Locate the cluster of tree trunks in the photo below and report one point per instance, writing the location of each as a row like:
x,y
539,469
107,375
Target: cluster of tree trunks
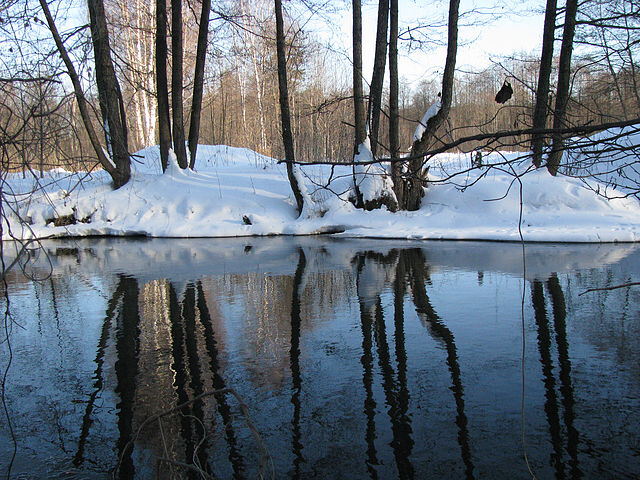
x,y
409,174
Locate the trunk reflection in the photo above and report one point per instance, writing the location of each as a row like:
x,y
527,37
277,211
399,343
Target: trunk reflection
x,y
359,362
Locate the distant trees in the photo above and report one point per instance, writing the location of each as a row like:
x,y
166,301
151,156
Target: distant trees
x,y
229,88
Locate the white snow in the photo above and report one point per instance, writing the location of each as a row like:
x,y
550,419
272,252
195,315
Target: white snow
x,y
230,183
372,180
422,126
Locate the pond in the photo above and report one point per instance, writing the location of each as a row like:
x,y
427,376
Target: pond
x,y
319,357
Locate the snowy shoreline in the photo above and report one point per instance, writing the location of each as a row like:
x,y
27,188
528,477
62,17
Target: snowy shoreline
x,y
235,192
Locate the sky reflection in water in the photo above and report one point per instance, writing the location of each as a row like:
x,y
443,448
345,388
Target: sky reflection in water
x,y
332,359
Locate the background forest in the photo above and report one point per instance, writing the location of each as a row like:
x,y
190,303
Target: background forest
x,y
41,126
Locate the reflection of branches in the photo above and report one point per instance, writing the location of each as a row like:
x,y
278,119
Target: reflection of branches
x,y
265,458
624,285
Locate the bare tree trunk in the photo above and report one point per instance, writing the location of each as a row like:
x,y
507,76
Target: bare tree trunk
x,y
119,172
394,113
417,176
377,79
111,105
198,81
177,59
360,120
564,84
544,75
162,84
285,115
358,93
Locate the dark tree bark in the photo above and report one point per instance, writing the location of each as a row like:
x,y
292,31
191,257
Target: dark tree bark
x,y
120,168
198,81
162,84
111,104
564,84
377,79
285,115
360,120
359,111
394,112
414,187
542,93
176,83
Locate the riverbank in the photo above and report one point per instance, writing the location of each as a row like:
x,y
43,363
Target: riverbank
x,y
237,192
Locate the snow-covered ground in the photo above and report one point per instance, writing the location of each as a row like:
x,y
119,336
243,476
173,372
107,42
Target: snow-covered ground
x,y
233,187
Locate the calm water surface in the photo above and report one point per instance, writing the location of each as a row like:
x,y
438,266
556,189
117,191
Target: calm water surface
x,y
321,358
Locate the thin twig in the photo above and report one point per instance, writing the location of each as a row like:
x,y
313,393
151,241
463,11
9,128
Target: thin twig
x,y
624,285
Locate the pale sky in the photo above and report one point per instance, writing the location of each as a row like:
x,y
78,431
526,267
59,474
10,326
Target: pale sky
x,y
517,30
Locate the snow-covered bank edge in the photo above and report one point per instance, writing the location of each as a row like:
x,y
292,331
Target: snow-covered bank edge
x,y
238,193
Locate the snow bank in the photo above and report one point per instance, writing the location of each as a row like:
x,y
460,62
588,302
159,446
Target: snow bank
x,y
232,185
610,158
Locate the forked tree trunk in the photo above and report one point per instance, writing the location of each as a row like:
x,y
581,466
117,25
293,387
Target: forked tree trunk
x,y
542,93
198,81
111,104
359,110
377,79
564,84
285,115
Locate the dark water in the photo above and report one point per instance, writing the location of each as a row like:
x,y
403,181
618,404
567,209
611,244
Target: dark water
x,y
322,358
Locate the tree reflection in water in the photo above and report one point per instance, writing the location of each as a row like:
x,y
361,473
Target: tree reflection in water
x,y
545,345
353,375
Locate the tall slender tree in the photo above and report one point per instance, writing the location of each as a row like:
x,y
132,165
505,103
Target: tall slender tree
x,y
198,81
358,92
162,84
177,63
285,114
541,108
394,111
377,78
414,187
359,110
564,85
